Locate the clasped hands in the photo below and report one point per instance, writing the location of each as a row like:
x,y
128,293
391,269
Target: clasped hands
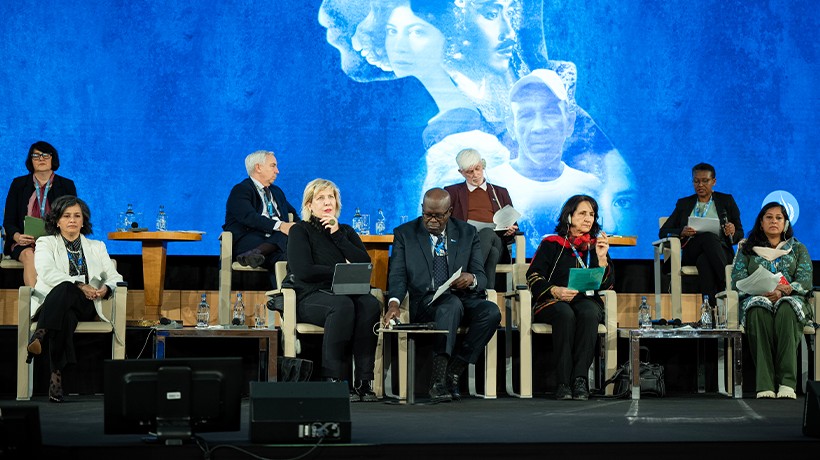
x,y
93,294
779,291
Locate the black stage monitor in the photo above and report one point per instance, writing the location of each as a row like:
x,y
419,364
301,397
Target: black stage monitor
x,y
172,398
20,431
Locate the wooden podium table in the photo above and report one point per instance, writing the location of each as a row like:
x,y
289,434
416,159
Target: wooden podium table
x,y
621,240
378,247
154,250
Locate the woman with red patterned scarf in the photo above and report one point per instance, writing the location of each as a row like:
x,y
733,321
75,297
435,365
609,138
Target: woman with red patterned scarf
x,y
574,315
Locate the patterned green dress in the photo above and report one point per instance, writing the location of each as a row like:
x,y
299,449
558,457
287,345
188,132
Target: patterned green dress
x,y
795,266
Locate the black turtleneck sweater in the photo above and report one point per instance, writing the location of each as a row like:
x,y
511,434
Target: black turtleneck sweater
x,y
313,253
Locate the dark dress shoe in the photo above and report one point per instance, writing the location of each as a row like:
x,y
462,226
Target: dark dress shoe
x,y
252,258
35,345
452,386
364,390
439,394
563,392
580,392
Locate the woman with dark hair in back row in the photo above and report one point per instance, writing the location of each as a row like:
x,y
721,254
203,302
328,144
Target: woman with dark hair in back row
x,y
32,195
74,275
574,315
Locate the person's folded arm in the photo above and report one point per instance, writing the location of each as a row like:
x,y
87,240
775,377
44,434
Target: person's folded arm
x,y
300,258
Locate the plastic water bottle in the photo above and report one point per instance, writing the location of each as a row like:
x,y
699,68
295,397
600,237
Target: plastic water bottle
x,y
644,316
381,223
162,220
357,221
238,311
706,314
203,313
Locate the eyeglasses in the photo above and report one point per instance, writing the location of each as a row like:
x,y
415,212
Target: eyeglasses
x,y
435,216
43,156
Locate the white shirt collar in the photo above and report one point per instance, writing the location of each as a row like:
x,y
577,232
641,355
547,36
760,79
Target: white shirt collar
x,y
472,187
258,184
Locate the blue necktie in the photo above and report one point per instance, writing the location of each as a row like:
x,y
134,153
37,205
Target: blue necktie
x,y
269,203
440,272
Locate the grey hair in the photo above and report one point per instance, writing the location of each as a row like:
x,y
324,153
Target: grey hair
x,y
469,158
256,158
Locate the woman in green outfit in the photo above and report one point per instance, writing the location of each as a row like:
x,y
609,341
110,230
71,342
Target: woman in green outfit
x,y
774,320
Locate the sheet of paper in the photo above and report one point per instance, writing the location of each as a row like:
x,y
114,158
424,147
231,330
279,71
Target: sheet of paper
x,y
585,279
505,217
759,282
34,226
445,287
95,282
705,224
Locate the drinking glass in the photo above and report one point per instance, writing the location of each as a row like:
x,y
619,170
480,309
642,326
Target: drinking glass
x,y
260,316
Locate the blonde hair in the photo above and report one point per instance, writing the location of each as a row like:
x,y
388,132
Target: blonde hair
x,y
317,185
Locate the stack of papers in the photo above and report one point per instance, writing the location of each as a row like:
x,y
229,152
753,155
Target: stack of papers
x,y
759,282
705,224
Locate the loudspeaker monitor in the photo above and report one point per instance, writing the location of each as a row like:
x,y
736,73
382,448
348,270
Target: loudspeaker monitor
x,y
811,411
299,412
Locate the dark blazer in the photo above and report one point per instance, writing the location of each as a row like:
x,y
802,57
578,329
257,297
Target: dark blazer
x,y
411,262
460,192
723,202
19,193
243,214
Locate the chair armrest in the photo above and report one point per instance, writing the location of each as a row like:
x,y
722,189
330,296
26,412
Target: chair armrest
x,y
281,270
404,309
610,309
24,307
662,241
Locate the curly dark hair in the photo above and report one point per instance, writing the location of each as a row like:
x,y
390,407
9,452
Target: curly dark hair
x,y
562,227
757,237
58,208
43,147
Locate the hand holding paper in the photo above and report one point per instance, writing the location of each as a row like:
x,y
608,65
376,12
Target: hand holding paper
x,y
505,217
445,287
760,282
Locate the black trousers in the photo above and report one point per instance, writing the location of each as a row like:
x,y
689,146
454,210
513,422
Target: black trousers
x,y
705,251
574,332
348,323
482,317
491,250
62,309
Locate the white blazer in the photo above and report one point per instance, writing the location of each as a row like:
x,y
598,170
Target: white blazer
x,y
51,262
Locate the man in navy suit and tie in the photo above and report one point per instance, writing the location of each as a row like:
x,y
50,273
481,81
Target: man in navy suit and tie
x,y
258,215
427,252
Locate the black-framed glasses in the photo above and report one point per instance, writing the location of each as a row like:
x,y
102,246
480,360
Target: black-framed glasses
x,y
44,156
435,215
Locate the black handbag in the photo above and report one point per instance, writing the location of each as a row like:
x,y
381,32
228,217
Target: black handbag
x,y
652,382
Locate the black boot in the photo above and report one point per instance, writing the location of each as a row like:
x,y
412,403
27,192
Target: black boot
x,y
454,371
364,390
438,387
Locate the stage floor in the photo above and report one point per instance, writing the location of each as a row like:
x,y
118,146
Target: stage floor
x,y
670,427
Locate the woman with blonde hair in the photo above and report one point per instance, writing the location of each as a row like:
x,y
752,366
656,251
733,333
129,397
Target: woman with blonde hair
x,y
315,246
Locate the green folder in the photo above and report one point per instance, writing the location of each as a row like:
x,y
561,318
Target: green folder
x,y
34,226
585,279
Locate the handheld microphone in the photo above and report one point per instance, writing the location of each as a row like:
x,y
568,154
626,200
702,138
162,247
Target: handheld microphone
x,y
724,220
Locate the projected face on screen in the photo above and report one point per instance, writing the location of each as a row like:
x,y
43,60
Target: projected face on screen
x,y
414,47
541,146
488,37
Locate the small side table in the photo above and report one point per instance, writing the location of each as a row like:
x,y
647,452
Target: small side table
x,y
410,336
268,344
733,336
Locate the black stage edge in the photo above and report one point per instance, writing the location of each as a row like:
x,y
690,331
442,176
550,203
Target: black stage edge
x,y
678,427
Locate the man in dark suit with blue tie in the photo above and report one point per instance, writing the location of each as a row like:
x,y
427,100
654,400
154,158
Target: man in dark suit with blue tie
x,y
258,215
427,252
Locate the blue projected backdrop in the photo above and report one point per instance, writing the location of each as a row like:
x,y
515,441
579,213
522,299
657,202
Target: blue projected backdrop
x,y
156,103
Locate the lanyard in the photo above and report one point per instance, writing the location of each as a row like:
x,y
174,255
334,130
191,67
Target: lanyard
x,y
578,256
41,198
269,203
773,265
705,209
439,249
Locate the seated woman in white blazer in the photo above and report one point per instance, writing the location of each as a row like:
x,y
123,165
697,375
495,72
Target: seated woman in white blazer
x,y
74,274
